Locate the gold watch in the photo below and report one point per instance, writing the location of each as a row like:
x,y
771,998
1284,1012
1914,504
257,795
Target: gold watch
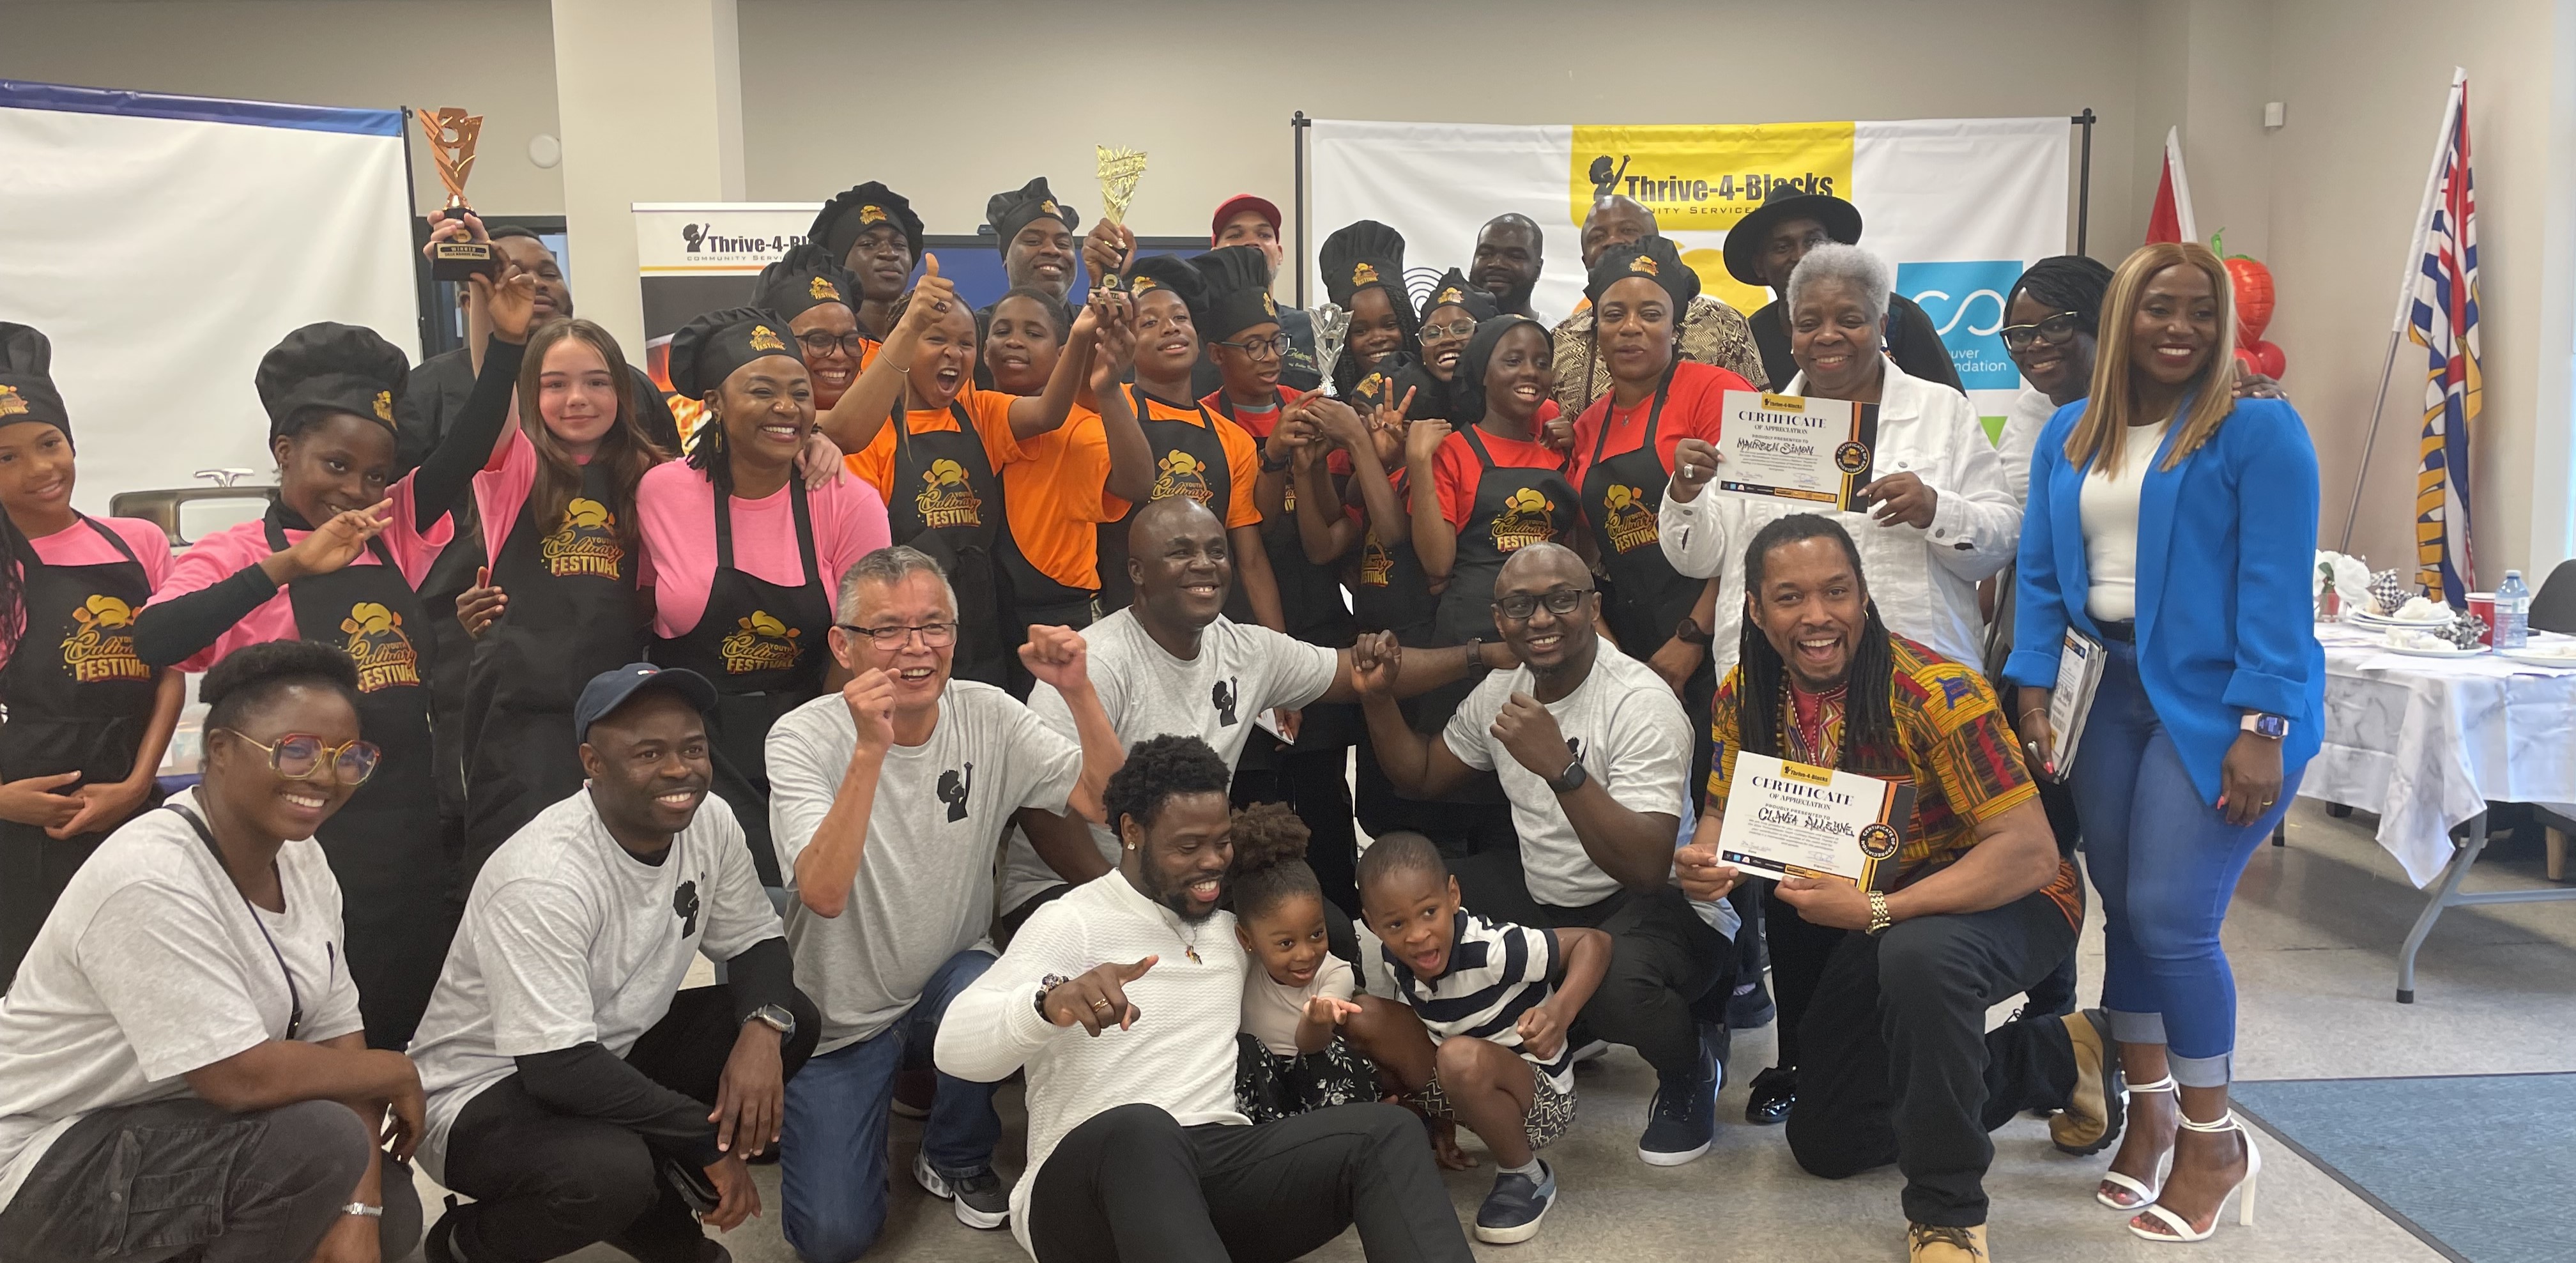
x,y
1878,918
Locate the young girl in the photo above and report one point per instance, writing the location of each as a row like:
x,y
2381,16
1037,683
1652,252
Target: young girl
x,y
1291,1056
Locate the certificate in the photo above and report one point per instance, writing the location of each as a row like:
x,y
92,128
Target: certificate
x,y
1791,820
1816,452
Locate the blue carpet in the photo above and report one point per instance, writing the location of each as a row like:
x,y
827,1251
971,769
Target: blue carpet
x,y
2479,1166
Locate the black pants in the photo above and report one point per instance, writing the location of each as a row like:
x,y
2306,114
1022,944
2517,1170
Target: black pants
x,y
2054,995
546,1184
1798,951
1134,1186
1899,1066
1316,785
1663,958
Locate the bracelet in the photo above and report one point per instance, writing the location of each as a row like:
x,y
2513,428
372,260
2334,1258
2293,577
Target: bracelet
x,y
363,1210
1879,919
1045,985
2040,711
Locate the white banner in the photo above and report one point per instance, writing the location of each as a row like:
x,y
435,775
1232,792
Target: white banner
x,y
1958,206
165,244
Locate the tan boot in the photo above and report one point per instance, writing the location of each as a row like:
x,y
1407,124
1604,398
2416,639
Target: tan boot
x,y
1927,1244
2091,1120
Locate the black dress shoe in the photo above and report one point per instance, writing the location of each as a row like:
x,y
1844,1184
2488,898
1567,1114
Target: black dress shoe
x,y
1774,1091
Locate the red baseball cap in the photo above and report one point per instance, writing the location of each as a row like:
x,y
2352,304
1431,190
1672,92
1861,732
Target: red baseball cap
x,y
1236,205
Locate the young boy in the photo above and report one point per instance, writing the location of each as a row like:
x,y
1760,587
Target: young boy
x,y
1467,1018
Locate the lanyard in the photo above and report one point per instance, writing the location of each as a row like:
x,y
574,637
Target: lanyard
x,y
294,1001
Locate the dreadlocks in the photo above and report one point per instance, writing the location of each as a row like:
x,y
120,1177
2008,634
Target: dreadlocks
x,y
1868,719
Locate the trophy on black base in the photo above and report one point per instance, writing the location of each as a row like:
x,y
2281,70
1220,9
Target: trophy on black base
x,y
452,136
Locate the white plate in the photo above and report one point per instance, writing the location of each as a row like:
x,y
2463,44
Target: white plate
x,y
2436,653
2375,620
2539,659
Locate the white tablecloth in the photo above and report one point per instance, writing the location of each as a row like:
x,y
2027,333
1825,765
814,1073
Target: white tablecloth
x,y
2428,742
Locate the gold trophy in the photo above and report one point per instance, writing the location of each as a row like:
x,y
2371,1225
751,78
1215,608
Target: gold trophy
x,y
1119,171
452,134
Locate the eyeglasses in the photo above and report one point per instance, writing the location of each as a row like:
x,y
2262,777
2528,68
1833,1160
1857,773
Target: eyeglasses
x,y
821,344
1276,344
2056,329
933,635
1559,601
1462,327
298,755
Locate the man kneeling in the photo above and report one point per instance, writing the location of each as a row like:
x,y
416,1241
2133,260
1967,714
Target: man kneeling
x,y
574,1090
1899,1067
1137,1153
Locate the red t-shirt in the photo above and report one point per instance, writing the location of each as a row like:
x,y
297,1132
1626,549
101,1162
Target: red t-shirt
x,y
1455,471
1693,409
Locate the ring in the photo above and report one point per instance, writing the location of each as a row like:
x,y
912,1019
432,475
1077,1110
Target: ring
x,y
1100,1006
2269,801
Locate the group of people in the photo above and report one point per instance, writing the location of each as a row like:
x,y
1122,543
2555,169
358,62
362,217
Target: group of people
x,y
1007,692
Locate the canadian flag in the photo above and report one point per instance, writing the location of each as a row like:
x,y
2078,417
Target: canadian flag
x,y
2170,218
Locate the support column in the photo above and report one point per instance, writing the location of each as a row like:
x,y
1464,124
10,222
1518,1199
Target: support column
x,y
649,97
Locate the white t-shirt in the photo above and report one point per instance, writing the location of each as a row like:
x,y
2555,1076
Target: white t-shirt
x,y
151,966
569,939
1272,1010
924,890
2108,509
1497,971
1629,730
1239,672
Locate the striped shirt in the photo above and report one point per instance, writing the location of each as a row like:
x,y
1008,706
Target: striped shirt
x,y
1497,971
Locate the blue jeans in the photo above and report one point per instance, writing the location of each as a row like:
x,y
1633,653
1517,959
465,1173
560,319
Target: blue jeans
x,y
2166,864
832,1159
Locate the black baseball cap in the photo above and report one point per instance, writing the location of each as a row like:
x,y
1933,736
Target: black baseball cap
x,y
609,690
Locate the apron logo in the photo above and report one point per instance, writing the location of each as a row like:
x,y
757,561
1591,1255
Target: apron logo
x,y
946,499
377,644
101,644
1377,566
1224,695
1182,475
952,791
1629,523
1525,520
586,543
759,643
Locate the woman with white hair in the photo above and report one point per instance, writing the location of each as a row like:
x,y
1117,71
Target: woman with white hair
x,y
1940,518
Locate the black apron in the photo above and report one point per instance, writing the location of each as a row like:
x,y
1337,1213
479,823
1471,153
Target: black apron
x,y
1310,596
399,893
573,614
1621,495
1516,506
1389,591
1189,460
764,646
78,700
947,502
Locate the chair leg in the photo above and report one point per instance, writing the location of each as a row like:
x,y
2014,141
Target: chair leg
x,y
2554,842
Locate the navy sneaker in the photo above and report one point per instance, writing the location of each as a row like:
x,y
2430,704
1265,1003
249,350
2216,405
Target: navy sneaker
x,y
1512,1211
1682,1122
982,1200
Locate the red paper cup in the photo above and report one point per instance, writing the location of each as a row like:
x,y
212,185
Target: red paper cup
x,y
2482,604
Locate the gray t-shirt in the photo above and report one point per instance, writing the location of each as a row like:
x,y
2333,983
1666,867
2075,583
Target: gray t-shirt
x,y
1239,672
924,890
569,939
150,967
1633,738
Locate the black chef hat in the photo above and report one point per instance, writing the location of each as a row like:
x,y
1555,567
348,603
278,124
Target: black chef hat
x,y
27,379
1467,389
1171,272
1008,213
1653,258
1238,291
803,278
708,349
1359,255
843,218
330,367
1452,290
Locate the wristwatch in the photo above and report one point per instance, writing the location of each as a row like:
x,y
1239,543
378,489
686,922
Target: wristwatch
x,y
1689,633
363,1210
775,1018
2273,727
1879,920
1269,466
1571,779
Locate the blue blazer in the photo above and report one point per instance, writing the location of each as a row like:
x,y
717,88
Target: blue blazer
x,y
2226,553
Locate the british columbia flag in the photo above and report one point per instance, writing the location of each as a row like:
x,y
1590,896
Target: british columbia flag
x,y
2445,324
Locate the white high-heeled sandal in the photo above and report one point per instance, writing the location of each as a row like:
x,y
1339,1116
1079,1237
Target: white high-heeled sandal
x,y
2144,1193
2180,1229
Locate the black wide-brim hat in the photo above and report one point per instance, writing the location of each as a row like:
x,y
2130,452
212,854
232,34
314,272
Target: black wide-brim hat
x,y
1786,201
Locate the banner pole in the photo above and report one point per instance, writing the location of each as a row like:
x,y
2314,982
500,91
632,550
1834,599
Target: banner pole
x,y
2084,179
2405,296
1297,145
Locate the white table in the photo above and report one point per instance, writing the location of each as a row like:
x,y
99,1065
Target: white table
x,y
2427,743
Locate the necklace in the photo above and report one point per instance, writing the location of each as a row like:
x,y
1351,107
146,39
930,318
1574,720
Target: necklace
x,y
1190,945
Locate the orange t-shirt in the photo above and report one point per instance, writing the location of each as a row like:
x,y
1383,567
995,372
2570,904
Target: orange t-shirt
x,y
1242,460
1693,409
1056,495
989,409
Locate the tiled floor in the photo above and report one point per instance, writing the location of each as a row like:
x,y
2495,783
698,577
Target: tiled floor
x,y
2313,936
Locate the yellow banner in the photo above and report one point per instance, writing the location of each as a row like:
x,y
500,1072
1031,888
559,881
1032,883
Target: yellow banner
x,y
1704,179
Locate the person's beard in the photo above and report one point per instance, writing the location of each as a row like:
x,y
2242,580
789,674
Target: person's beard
x,y
1177,898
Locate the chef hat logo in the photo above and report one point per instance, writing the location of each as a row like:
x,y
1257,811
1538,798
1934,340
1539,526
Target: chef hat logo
x,y
824,290
872,215
384,405
763,339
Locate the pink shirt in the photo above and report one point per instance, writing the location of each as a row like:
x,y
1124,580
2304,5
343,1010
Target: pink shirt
x,y
81,546
220,556
675,513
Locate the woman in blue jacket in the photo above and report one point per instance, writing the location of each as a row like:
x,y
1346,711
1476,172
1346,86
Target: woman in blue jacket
x,y
2176,525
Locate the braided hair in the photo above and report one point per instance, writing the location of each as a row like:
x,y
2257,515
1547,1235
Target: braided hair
x,y
1269,860
1763,680
2066,282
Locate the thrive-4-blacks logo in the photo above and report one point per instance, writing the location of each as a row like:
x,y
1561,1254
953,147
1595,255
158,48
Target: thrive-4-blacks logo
x,y
953,788
704,239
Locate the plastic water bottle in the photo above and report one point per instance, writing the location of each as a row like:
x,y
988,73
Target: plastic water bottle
x,y
2512,612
